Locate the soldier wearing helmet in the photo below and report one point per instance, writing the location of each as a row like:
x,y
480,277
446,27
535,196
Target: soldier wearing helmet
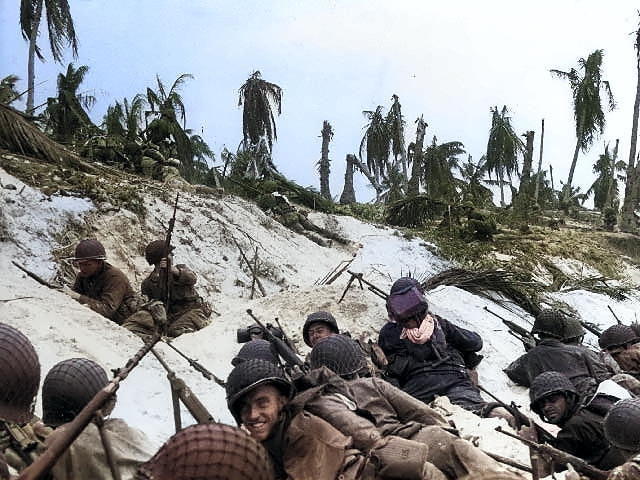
x,y
622,429
382,419
101,286
557,401
623,344
209,452
187,311
551,353
67,388
300,445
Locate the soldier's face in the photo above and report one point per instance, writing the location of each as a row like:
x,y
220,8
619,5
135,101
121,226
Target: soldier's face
x,y
260,410
88,268
554,407
318,331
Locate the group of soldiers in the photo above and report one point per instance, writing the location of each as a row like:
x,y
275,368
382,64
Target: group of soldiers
x,y
349,410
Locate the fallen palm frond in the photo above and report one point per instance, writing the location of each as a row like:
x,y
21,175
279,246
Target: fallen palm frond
x,y
598,285
414,211
500,286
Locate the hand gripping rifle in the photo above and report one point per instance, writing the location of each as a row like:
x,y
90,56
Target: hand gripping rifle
x,y
558,456
288,355
43,464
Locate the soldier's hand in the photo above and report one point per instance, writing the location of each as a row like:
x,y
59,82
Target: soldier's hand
x,y
73,294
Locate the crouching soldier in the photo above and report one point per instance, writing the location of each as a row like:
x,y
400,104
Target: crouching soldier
x,y
622,429
383,420
188,312
300,445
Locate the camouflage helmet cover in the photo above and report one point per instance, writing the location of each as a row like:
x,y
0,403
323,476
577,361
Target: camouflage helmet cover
x,y
256,348
19,375
322,317
546,384
68,387
90,249
250,374
550,323
156,251
622,424
339,353
617,335
209,452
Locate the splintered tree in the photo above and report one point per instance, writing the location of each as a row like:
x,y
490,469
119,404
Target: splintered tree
x,y
324,163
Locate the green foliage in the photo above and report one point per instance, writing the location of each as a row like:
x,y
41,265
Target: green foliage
x,y
414,211
260,99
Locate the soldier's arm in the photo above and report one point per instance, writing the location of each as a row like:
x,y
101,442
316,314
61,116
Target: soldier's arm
x,y
111,297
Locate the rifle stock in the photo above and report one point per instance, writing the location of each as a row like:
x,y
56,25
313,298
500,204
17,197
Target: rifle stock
x,y
59,444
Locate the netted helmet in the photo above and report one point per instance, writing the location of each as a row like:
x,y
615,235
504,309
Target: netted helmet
x,y
548,383
617,335
210,451
256,348
339,353
156,251
250,374
549,323
320,316
90,249
69,387
573,329
622,424
19,375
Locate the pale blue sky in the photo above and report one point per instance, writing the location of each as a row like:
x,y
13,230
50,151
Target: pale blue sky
x,y
450,61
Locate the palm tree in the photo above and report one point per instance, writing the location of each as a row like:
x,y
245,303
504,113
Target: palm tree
x,y
439,162
395,125
471,187
376,144
324,163
61,33
503,148
124,120
605,187
587,104
260,100
65,114
348,192
8,92
415,152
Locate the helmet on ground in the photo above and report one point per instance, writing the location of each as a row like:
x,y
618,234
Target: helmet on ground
x,y
256,348
549,323
250,374
69,387
622,424
19,375
209,451
546,384
573,329
90,249
617,335
320,316
339,353
156,251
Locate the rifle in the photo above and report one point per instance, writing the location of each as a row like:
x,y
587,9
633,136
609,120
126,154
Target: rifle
x,y
558,456
43,464
167,247
370,286
288,355
614,315
36,277
198,366
517,331
181,392
286,339
589,326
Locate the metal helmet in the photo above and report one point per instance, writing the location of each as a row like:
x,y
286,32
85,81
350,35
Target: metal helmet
x,y
617,335
322,317
90,249
69,387
548,383
256,348
210,451
622,424
250,374
573,329
156,251
549,323
338,353
19,375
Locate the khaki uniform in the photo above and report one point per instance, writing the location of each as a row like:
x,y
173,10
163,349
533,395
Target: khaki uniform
x,y
108,292
21,445
628,359
627,471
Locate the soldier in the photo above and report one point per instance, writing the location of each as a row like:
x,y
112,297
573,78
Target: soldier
x,y
557,401
319,325
300,445
209,452
68,387
622,429
383,420
256,349
188,312
584,369
100,285
21,434
623,344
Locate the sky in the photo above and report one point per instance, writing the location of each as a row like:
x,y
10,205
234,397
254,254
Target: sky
x,y
447,61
